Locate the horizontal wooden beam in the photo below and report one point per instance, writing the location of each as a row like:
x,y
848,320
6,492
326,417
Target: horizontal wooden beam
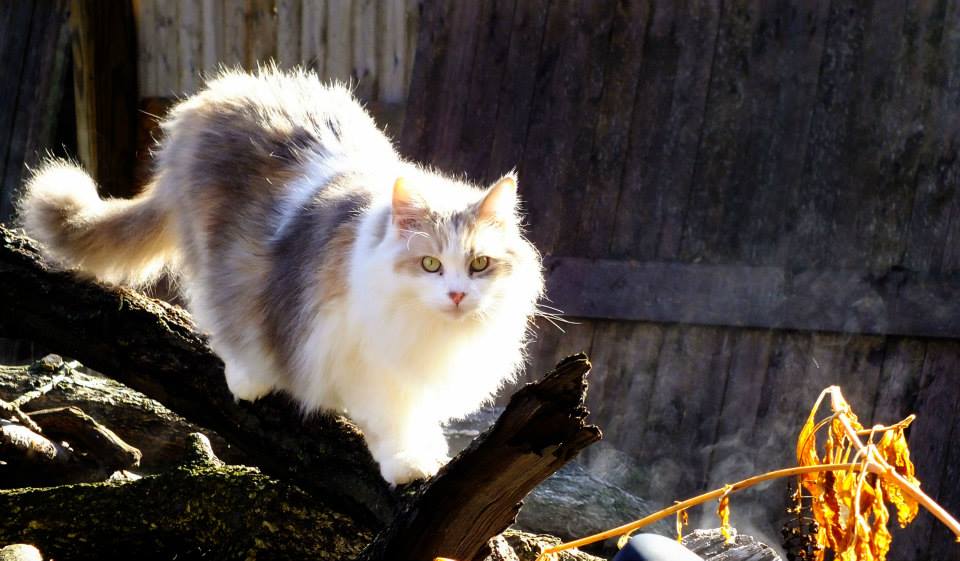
x,y
896,302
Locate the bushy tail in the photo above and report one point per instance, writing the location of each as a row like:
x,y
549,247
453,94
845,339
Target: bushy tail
x,y
117,240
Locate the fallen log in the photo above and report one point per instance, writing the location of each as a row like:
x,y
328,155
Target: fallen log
x,y
201,510
154,348
140,421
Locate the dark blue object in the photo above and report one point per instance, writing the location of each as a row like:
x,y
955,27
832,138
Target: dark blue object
x,y
653,547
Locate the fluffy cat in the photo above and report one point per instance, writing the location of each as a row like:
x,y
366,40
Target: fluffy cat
x,y
320,262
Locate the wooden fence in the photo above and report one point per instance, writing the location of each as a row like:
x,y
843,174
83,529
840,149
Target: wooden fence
x,y
369,42
741,203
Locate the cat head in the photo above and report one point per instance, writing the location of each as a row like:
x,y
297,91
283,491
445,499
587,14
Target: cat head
x,y
460,251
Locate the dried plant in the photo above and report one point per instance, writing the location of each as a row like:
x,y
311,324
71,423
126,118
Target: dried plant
x,y
849,483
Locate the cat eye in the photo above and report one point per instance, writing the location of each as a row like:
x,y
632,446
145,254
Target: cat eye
x,y
479,263
430,264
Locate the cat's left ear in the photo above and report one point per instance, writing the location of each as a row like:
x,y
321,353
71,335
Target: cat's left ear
x,y
500,202
407,206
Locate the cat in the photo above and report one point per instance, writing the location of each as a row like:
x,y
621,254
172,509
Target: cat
x,y
320,262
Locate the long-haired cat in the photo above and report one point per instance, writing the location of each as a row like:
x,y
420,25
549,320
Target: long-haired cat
x,y
320,262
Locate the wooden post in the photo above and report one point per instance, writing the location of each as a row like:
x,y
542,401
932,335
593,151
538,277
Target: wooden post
x,y
105,86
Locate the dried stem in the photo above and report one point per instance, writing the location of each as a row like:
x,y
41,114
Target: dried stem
x,y
876,464
699,499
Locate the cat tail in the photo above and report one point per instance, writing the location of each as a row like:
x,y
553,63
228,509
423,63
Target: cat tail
x,y
116,240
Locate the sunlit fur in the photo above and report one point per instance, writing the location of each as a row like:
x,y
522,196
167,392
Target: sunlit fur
x,y
299,232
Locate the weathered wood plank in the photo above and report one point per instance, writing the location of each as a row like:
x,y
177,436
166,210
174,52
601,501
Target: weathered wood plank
x,y
762,89
828,167
391,51
167,54
34,47
947,130
339,31
611,136
212,37
364,47
312,35
517,89
233,53
105,91
472,149
289,17
145,13
685,409
665,133
570,83
931,438
897,302
261,32
15,19
624,373
732,455
190,42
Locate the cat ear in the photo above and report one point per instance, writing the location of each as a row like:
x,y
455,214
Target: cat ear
x,y
500,202
407,206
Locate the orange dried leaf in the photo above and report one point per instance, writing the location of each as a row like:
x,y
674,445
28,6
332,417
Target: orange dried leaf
x,y
682,520
893,449
723,511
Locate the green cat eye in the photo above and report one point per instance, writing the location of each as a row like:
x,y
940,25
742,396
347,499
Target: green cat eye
x,y
479,263
430,264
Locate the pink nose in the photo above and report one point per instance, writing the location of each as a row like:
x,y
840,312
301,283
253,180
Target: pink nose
x,y
456,297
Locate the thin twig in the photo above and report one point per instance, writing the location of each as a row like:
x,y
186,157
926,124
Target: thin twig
x,y
683,505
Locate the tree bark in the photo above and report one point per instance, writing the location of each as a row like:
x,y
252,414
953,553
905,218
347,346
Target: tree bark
x,y
201,510
154,348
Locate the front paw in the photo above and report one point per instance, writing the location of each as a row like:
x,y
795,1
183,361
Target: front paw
x,y
405,467
244,386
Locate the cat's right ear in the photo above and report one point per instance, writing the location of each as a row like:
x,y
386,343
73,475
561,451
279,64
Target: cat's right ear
x,y
407,210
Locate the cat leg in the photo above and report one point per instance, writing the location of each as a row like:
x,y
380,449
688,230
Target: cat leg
x,y
406,449
248,378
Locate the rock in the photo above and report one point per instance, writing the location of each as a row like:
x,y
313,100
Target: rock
x,y
461,432
710,545
572,504
140,421
528,546
500,550
20,552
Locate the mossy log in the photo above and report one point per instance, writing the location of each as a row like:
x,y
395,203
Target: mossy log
x,y
140,421
201,510
154,348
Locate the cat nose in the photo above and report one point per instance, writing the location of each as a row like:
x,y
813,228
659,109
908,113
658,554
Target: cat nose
x,y
456,296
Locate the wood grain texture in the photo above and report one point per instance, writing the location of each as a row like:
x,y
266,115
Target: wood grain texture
x,y
897,302
289,27
312,35
190,41
931,440
261,33
34,48
166,49
665,130
363,49
105,91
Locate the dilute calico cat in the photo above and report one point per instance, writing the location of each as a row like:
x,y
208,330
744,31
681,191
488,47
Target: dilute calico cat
x,y
321,263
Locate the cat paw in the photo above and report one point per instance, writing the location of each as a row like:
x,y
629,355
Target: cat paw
x,y
243,386
403,467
